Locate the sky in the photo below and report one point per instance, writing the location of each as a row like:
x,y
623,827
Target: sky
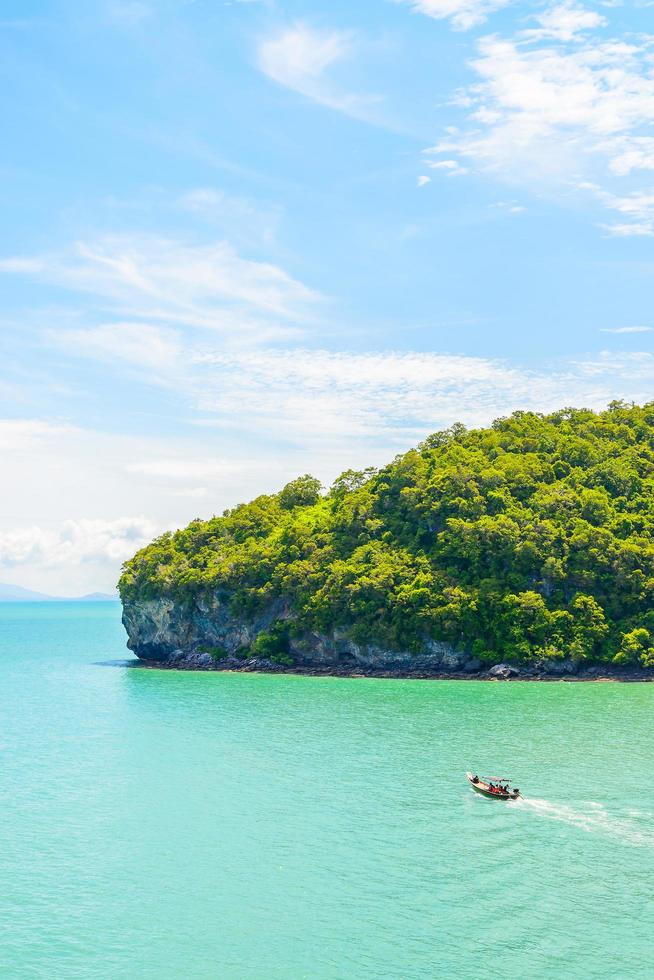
x,y
241,241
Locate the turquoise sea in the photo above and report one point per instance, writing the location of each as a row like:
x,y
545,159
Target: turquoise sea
x,y
185,825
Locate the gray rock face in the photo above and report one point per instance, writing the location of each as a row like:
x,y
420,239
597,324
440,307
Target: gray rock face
x,y
503,671
560,667
179,635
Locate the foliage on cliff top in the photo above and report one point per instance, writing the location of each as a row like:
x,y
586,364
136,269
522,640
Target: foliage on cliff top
x,y
530,538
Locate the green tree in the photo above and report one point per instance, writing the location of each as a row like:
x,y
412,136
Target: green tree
x,y
302,492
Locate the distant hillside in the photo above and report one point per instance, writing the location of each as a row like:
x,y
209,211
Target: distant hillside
x,y
15,593
531,539
96,597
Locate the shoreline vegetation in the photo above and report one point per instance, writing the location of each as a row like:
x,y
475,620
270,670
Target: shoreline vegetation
x,y
528,543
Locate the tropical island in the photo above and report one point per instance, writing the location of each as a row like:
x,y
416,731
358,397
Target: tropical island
x,y
529,543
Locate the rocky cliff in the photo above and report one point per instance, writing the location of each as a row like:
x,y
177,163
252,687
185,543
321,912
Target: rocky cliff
x,y
203,634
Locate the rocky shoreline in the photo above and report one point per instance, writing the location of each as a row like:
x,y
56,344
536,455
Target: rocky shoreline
x,y
498,672
204,635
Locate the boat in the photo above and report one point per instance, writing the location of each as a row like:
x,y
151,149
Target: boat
x,y
495,787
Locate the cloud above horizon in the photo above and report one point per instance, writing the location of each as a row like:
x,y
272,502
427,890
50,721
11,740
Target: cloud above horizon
x,y
76,542
356,401
330,410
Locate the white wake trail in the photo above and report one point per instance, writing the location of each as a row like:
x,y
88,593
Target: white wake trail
x,y
596,819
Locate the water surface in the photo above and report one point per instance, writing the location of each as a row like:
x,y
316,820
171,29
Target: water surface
x,y
160,824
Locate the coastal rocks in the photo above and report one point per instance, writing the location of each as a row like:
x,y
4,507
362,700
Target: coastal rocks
x,y
560,667
163,630
503,672
204,634
336,650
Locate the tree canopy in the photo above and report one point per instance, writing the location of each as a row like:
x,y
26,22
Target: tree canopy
x,y
530,538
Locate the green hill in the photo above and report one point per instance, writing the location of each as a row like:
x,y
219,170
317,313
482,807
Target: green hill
x,y
531,538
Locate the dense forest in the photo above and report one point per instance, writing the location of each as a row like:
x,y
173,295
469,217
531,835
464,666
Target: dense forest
x,y
531,538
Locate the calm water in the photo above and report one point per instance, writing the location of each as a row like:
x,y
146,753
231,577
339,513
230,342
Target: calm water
x,y
173,825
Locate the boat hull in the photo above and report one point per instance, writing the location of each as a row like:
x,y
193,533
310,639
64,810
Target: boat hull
x,y
484,789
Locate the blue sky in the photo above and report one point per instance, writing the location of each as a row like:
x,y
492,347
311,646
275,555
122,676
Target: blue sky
x,y
246,240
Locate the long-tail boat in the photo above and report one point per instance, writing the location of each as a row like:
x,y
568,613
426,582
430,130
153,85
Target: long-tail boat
x,y
495,787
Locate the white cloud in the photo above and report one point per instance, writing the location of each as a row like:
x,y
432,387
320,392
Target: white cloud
x,y
508,207
391,399
451,167
565,22
19,435
139,344
202,199
632,153
76,542
422,180
558,107
630,229
299,58
310,398
638,208
463,14
159,279
533,93
627,329
55,474
327,410
186,468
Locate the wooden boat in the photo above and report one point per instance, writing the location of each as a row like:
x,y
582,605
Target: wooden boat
x,y
496,787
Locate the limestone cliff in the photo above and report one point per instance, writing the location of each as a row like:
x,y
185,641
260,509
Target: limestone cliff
x,y
189,635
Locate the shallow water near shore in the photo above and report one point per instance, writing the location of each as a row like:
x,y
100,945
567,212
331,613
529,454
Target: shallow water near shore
x,y
165,824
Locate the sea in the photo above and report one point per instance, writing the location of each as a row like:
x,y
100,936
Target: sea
x,y
171,825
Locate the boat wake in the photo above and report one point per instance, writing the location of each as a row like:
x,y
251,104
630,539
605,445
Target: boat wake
x,y
594,819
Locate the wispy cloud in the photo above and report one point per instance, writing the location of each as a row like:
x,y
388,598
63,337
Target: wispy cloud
x,y
450,168
637,208
391,398
309,397
241,220
141,345
561,106
300,58
163,280
509,207
462,14
627,329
